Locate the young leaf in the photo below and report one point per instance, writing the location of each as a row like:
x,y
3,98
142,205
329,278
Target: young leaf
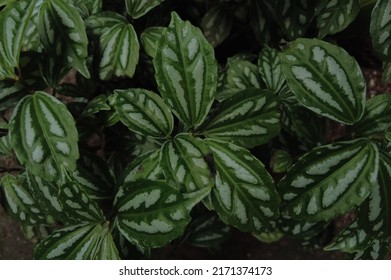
x,y
99,23
245,195
294,17
377,116
13,23
63,34
152,213
44,136
119,52
79,242
243,74
138,8
217,24
150,38
249,118
185,163
335,16
270,68
380,28
143,112
21,203
99,103
325,79
186,71
330,180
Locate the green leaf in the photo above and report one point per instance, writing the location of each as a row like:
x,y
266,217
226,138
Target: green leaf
x,y
380,28
208,231
270,68
249,118
143,112
261,20
377,116
119,48
44,136
21,203
93,175
294,17
87,7
5,146
138,8
280,161
145,166
79,242
217,24
150,38
335,16
376,251
186,71
152,213
325,79
13,23
63,34
99,103
243,74
99,23
330,180
245,195
185,163
386,75
301,229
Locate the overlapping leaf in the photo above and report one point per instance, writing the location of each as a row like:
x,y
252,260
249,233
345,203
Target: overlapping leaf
x,y
99,103
242,74
186,163
186,71
13,23
63,34
249,118
377,116
44,136
261,19
270,68
143,112
79,242
335,16
325,79
152,213
376,251
99,23
217,24
294,17
138,8
150,38
381,28
119,52
330,180
21,203
244,196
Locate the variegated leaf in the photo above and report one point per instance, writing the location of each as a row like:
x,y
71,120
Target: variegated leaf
x,y
14,20
79,242
5,145
208,231
99,103
44,136
187,163
150,38
280,162
145,166
143,112
325,79
21,203
245,195
300,229
186,71
87,7
242,74
376,251
294,17
152,213
270,68
249,118
99,23
93,175
386,75
63,34
138,8
261,19
381,28
119,52
335,16
330,180
217,24
377,117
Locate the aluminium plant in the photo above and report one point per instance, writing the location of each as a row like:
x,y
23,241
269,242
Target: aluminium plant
x,y
124,130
